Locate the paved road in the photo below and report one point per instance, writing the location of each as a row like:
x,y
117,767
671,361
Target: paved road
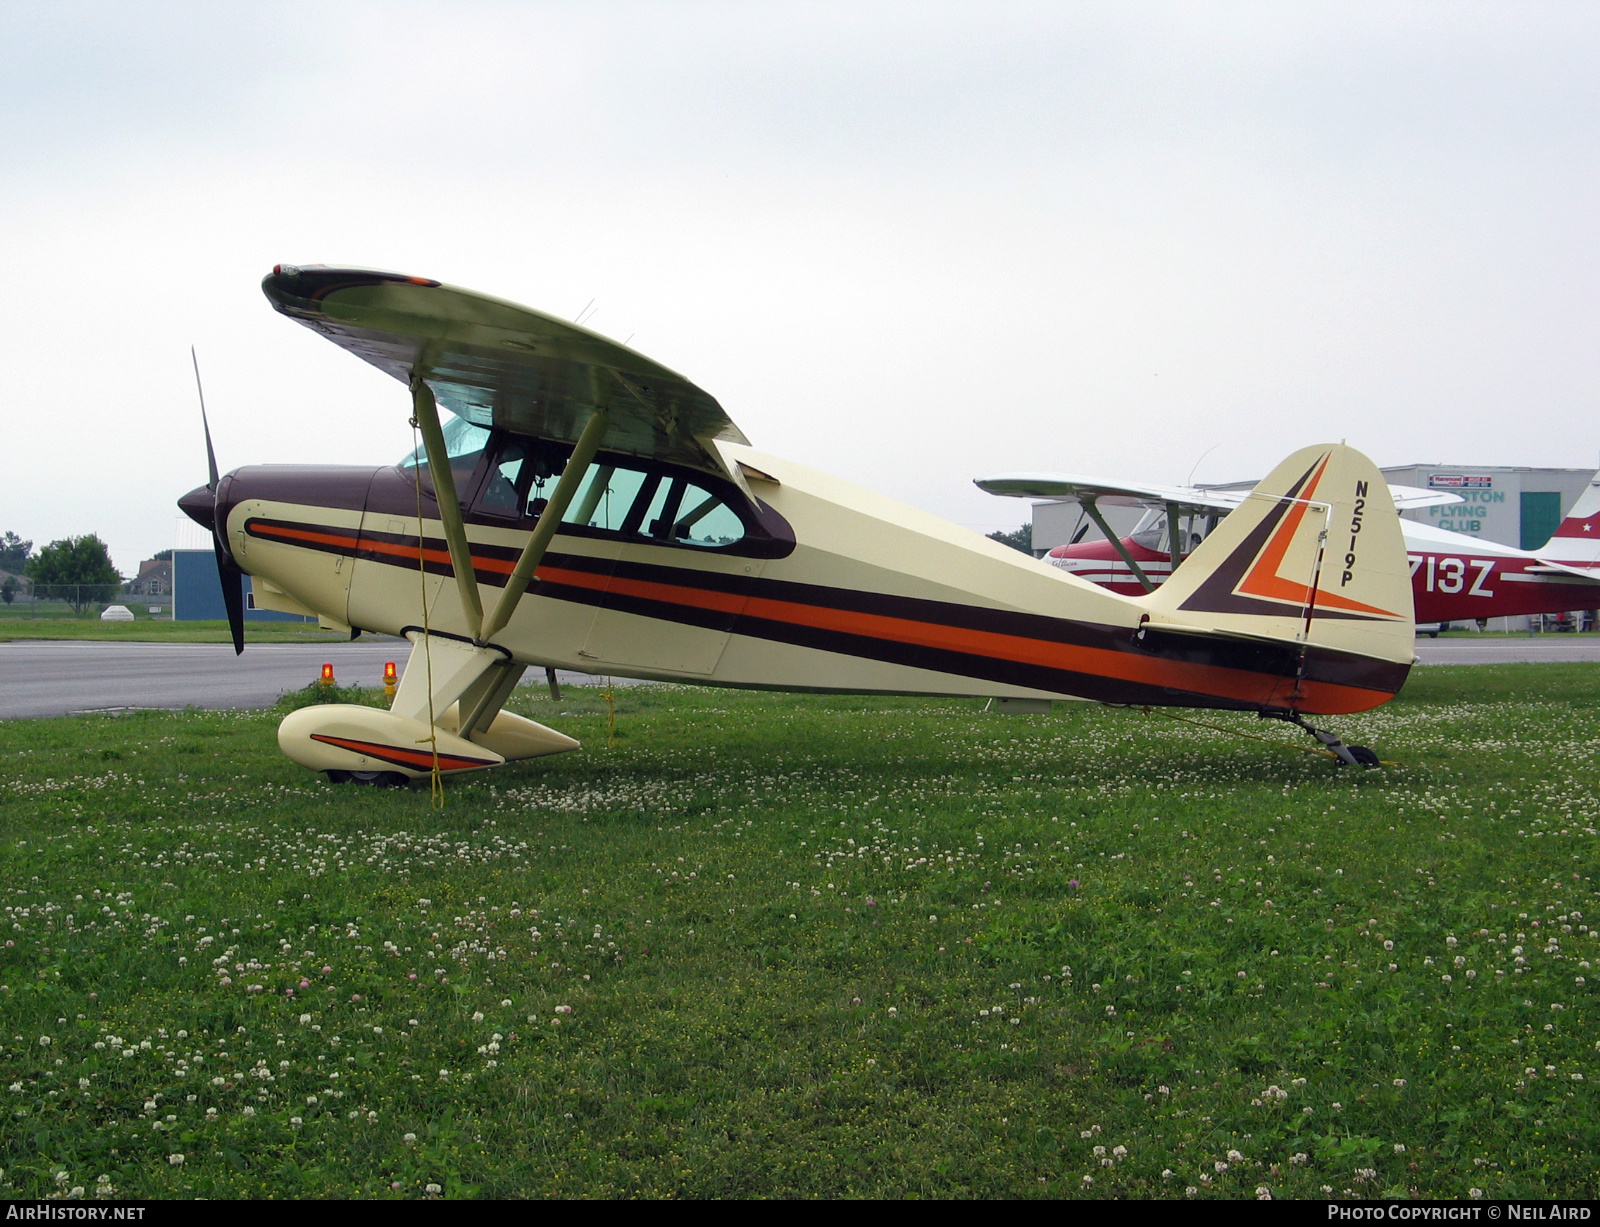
x,y
1538,649
54,678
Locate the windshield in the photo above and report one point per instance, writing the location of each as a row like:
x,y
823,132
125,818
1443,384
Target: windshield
x,y
464,444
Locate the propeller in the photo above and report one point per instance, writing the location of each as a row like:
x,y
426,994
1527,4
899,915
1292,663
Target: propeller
x,y
228,571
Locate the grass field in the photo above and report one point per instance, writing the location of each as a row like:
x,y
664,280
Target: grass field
x,y
162,630
807,946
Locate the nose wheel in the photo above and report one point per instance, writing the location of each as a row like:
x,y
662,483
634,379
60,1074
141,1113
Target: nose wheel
x,y
1354,756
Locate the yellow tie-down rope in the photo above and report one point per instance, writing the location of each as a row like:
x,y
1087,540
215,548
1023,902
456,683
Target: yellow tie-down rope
x,y
1254,736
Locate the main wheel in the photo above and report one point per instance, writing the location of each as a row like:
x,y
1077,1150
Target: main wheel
x,y
1363,756
393,779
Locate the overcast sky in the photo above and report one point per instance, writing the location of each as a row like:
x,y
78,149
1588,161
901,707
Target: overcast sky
x,y
911,244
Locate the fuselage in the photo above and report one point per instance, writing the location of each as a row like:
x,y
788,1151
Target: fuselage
x,y
1454,578
788,579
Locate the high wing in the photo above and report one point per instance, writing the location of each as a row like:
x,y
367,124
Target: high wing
x,y
1134,494
1112,494
499,364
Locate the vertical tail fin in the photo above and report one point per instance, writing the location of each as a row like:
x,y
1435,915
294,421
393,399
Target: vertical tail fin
x,y
1577,540
1313,556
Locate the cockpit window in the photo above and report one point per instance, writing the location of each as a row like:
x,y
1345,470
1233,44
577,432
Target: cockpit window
x,y
617,497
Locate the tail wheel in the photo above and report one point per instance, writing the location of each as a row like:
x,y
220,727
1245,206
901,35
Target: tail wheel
x,y
1364,756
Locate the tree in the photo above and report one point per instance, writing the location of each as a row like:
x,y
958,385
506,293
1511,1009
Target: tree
x,y
14,553
8,589
80,565
1017,539
162,556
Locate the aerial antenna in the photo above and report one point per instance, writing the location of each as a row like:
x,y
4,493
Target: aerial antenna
x,y
1189,481
211,455
578,318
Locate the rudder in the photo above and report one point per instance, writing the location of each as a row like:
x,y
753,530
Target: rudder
x,y
1314,555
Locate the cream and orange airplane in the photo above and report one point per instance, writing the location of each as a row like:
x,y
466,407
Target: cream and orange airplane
x,y
585,508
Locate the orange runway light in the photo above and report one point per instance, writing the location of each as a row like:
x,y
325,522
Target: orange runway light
x,y
327,675
389,679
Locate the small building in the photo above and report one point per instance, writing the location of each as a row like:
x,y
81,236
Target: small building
x,y
154,578
197,592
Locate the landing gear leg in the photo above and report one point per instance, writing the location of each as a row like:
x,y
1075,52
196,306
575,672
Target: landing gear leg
x,y
1354,756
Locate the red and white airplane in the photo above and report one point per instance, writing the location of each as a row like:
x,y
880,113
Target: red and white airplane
x,y
1454,578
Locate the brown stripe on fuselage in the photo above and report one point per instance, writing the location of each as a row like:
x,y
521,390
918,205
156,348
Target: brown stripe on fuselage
x,y
1031,650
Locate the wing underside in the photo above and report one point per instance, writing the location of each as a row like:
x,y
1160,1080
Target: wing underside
x,y
499,364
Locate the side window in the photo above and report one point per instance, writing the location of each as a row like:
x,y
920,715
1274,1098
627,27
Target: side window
x,y
605,498
706,521
505,489
640,504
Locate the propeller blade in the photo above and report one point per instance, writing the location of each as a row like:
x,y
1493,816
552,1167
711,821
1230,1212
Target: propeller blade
x,y
232,595
211,455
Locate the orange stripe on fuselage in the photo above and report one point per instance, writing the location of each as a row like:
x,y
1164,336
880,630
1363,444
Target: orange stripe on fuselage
x,y
1213,680
1099,662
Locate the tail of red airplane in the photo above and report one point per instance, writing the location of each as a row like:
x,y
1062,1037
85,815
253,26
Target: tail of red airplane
x,y
1577,540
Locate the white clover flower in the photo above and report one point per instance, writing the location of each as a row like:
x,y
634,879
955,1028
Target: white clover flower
x,y
297,1120
249,1112
175,1160
433,1190
45,1041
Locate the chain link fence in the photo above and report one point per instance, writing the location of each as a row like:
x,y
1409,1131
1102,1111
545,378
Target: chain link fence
x,y
28,600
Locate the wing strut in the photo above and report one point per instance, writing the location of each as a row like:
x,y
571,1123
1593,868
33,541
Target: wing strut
x,y
1088,503
583,454
444,488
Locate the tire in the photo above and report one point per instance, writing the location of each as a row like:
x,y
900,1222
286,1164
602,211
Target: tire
x,y
393,779
337,777
1364,756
